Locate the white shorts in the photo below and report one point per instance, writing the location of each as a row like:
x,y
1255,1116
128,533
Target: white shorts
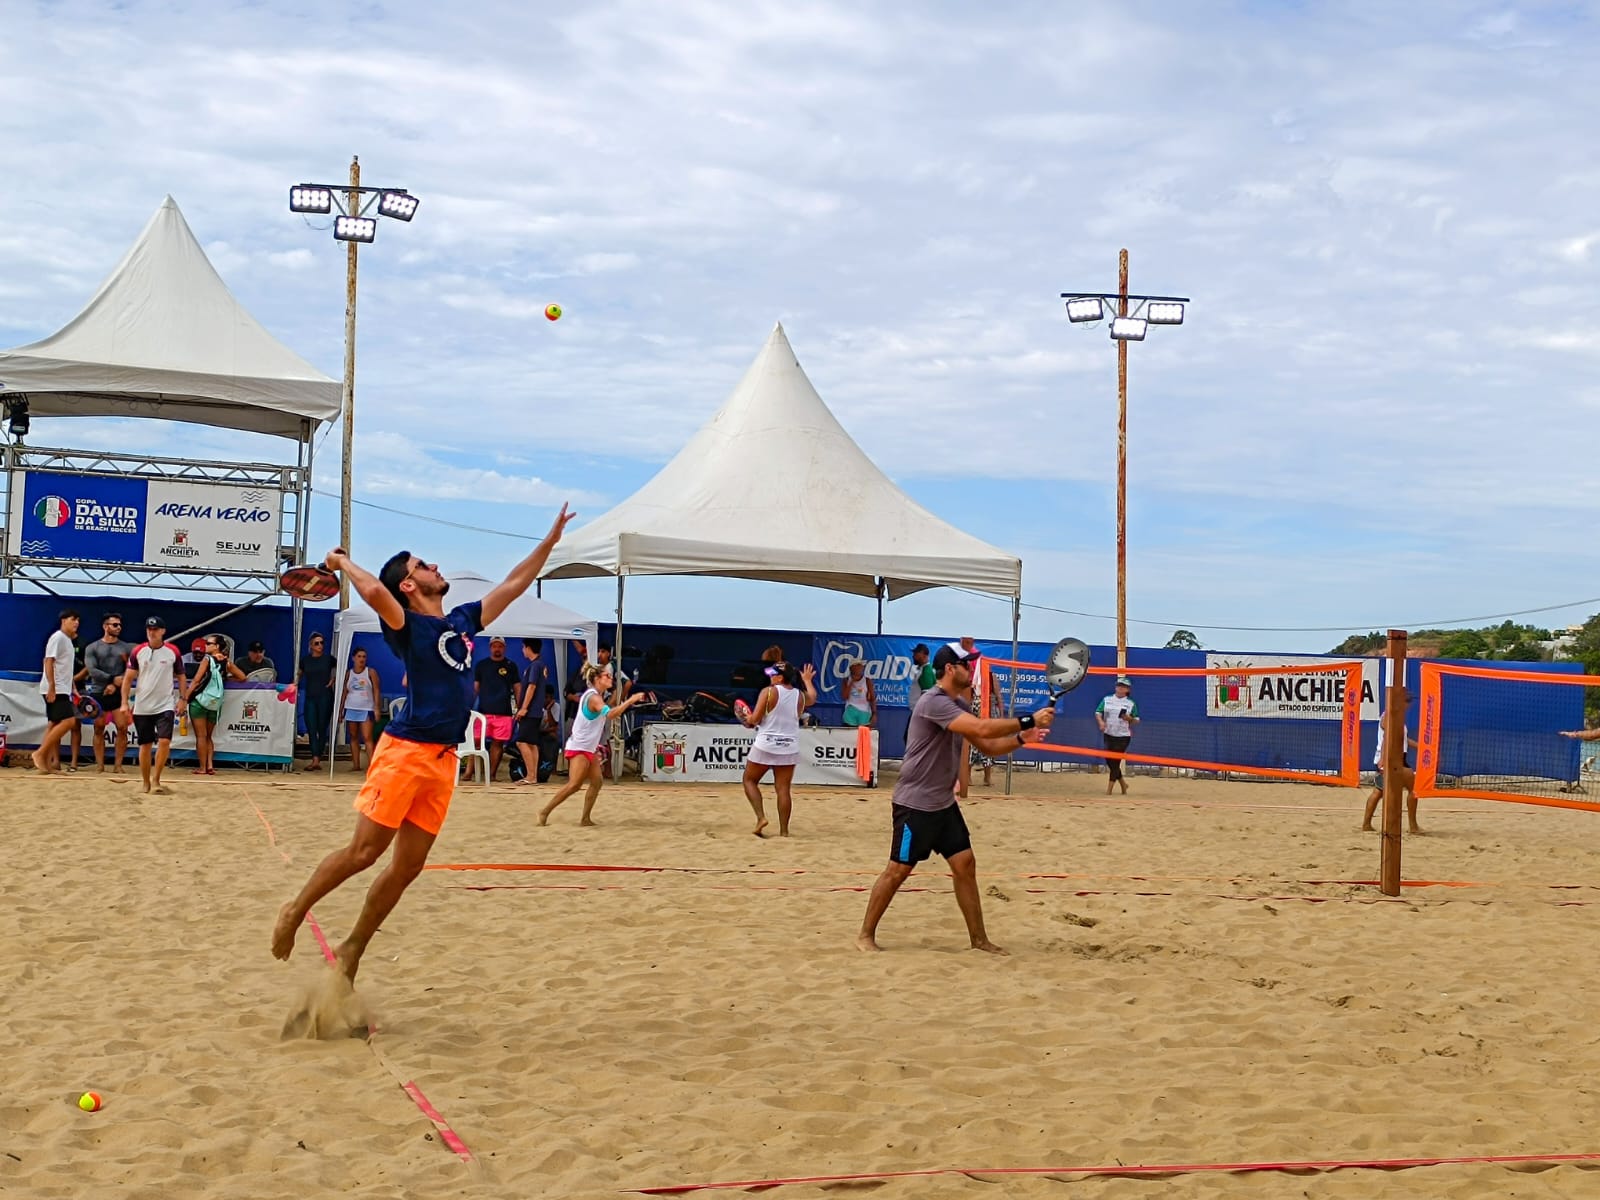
x,y
766,758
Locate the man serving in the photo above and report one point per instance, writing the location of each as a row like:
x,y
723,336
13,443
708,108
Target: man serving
x,y
927,818
412,774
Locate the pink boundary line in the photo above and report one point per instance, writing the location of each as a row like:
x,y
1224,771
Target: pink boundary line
x,y
447,1135
1316,1166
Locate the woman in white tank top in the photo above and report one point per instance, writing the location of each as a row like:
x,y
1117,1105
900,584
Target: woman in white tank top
x,y
362,695
583,743
776,720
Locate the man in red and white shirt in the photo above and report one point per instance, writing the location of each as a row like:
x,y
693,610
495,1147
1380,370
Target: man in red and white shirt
x,y
155,671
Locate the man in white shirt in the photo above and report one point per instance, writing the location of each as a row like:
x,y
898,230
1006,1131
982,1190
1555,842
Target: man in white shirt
x,y
55,685
1116,715
155,671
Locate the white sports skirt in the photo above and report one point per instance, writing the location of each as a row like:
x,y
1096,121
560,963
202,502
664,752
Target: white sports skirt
x,y
767,758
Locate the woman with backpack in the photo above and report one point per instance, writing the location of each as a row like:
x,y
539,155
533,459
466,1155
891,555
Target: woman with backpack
x,y
205,700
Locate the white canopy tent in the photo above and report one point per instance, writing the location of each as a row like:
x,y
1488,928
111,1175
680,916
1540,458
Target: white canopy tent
x,y
163,337
772,487
526,617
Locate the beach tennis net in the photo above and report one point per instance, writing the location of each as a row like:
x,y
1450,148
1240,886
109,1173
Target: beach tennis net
x,y
1488,733
1293,722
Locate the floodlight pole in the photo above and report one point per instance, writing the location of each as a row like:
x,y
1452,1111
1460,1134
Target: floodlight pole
x,y
349,382
1122,469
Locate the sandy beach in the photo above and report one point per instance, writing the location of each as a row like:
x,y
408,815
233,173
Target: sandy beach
x,y
1174,995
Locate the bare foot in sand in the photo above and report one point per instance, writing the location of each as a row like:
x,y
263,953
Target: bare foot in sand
x,y
544,816
39,763
587,822
760,826
1416,829
283,932
867,942
989,947
347,960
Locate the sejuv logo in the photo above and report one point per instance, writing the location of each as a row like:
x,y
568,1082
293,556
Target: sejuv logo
x,y
837,657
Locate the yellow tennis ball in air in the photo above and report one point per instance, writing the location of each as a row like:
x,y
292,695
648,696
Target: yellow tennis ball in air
x,y
552,312
90,1102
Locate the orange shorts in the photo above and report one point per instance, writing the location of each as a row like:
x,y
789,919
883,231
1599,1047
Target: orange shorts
x,y
408,781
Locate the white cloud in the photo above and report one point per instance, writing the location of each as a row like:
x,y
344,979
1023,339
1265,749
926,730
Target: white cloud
x,y
1380,213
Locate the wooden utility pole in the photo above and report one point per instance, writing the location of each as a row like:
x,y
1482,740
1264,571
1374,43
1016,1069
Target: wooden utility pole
x,y
354,208
1122,469
1394,761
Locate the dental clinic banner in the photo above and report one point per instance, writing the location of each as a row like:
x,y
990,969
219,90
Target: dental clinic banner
x,y
146,522
887,662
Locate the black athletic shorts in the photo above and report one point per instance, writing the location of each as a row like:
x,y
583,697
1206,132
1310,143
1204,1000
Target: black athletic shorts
x,y
917,834
527,730
60,709
153,727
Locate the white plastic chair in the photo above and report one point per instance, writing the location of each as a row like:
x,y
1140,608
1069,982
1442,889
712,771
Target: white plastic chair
x,y
475,745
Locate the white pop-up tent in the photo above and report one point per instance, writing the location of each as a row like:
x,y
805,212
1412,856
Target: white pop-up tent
x,y
526,617
772,487
165,338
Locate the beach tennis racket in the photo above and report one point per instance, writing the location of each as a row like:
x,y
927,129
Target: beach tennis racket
x,y
1066,667
310,583
88,708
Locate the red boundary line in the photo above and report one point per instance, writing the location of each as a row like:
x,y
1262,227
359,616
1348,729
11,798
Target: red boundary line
x,y
1314,1166
447,1135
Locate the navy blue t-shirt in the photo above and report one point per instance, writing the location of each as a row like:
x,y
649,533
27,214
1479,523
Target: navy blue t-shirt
x,y
535,675
437,653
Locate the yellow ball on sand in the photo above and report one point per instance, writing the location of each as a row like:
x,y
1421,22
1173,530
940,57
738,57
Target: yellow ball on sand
x,y
90,1102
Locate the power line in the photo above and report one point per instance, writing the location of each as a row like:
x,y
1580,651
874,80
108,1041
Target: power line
x,y
400,512
1364,625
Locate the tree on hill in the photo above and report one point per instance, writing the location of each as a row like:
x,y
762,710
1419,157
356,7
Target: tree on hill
x,y
1361,644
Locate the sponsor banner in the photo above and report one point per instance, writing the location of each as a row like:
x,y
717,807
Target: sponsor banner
x,y
673,753
215,526
153,522
1296,696
888,665
255,725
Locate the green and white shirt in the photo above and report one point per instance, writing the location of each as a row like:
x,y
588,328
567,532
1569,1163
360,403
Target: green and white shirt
x,y
1115,711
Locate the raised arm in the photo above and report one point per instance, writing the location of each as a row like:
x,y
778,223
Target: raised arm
x,y
522,575
808,675
368,588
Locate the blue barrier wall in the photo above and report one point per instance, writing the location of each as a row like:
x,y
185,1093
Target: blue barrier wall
x,y
1489,724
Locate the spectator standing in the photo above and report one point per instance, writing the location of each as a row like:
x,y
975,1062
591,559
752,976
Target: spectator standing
x,y
316,685
922,676
533,689
257,667
1117,715
363,693
494,684
55,685
155,671
107,661
204,699
860,697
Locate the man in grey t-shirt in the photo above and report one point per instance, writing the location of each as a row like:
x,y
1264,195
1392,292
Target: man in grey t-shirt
x,y
107,661
927,819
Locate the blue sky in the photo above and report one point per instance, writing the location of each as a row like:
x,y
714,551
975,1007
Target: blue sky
x,y
1379,411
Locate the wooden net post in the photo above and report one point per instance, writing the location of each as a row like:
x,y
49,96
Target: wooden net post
x,y
1394,761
